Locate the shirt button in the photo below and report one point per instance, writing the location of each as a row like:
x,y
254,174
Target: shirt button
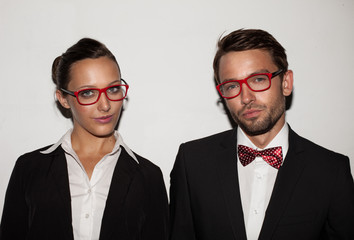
x,y
259,176
255,211
87,215
89,191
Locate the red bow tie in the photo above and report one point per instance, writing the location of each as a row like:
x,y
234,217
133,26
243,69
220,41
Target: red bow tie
x,y
273,156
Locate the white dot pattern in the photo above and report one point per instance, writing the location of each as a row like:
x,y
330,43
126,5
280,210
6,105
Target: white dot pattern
x,y
273,156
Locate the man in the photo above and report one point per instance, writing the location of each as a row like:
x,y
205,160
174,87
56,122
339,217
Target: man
x,y
260,180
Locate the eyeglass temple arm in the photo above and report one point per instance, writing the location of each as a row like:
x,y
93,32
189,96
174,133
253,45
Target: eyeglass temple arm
x,y
277,73
68,92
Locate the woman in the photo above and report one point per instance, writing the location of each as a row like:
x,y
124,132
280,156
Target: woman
x,y
89,185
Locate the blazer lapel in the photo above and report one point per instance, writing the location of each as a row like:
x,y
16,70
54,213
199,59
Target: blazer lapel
x,y
227,166
59,171
113,219
286,180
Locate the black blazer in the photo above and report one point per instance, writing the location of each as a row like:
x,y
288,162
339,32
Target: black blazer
x,y
313,195
38,204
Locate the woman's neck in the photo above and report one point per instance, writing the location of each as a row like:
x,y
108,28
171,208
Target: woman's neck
x,y
86,143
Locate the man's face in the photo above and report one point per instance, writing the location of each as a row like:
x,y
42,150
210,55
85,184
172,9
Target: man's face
x,y
256,112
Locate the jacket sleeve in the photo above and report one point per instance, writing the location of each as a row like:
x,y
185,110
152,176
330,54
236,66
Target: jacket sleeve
x,y
340,221
181,225
14,222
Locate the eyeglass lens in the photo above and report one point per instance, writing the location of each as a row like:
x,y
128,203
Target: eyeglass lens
x,y
255,83
114,93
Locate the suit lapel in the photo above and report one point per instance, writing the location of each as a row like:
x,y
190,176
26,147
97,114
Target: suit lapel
x,y
113,219
227,165
59,171
284,186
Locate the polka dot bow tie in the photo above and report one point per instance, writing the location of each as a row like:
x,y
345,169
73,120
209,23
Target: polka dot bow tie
x,y
273,156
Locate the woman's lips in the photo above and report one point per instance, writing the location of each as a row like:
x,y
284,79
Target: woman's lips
x,y
104,119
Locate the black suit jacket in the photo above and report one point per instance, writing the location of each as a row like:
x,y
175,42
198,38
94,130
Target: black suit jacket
x,y
313,195
38,204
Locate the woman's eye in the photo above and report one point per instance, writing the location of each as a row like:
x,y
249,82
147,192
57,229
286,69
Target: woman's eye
x,y
114,89
86,93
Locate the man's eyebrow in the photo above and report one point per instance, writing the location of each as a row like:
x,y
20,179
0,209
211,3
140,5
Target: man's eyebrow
x,y
253,73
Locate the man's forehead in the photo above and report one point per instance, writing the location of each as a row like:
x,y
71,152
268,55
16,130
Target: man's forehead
x,y
242,64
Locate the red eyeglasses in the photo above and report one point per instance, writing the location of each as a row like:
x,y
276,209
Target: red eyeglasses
x,y
90,96
257,82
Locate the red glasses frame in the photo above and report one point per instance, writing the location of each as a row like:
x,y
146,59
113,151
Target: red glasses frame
x,y
270,76
101,90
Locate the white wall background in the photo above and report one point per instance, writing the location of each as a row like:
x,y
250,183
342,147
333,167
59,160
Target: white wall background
x,y
165,50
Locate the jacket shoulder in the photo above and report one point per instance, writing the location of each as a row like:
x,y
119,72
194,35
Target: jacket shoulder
x,y
147,167
36,152
200,151
315,149
212,139
35,156
317,156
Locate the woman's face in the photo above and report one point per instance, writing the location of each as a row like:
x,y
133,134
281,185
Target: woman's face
x,y
98,119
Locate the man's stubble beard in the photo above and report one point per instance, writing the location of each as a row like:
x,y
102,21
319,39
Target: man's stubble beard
x,y
254,127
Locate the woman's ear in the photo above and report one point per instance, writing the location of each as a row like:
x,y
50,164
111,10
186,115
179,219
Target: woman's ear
x,y
63,101
287,84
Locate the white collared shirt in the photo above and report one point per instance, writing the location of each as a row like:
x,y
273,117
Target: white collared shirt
x,y
257,181
88,196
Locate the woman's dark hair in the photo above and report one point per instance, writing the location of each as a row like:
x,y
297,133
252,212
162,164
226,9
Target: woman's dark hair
x,y
249,39
61,67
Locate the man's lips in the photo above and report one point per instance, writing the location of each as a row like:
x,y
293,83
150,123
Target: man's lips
x,y
251,113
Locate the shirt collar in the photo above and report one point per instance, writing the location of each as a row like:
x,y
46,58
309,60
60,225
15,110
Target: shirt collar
x,y
281,140
65,142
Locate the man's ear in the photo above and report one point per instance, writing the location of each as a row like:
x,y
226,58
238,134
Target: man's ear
x,y
287,84
63,101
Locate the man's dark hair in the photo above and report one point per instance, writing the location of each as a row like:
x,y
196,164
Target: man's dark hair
x,y
249,39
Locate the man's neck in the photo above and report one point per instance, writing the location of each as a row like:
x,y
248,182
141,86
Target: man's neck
x,y
263,140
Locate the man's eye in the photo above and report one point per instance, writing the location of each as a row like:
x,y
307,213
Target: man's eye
x,y
231,86
258,79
